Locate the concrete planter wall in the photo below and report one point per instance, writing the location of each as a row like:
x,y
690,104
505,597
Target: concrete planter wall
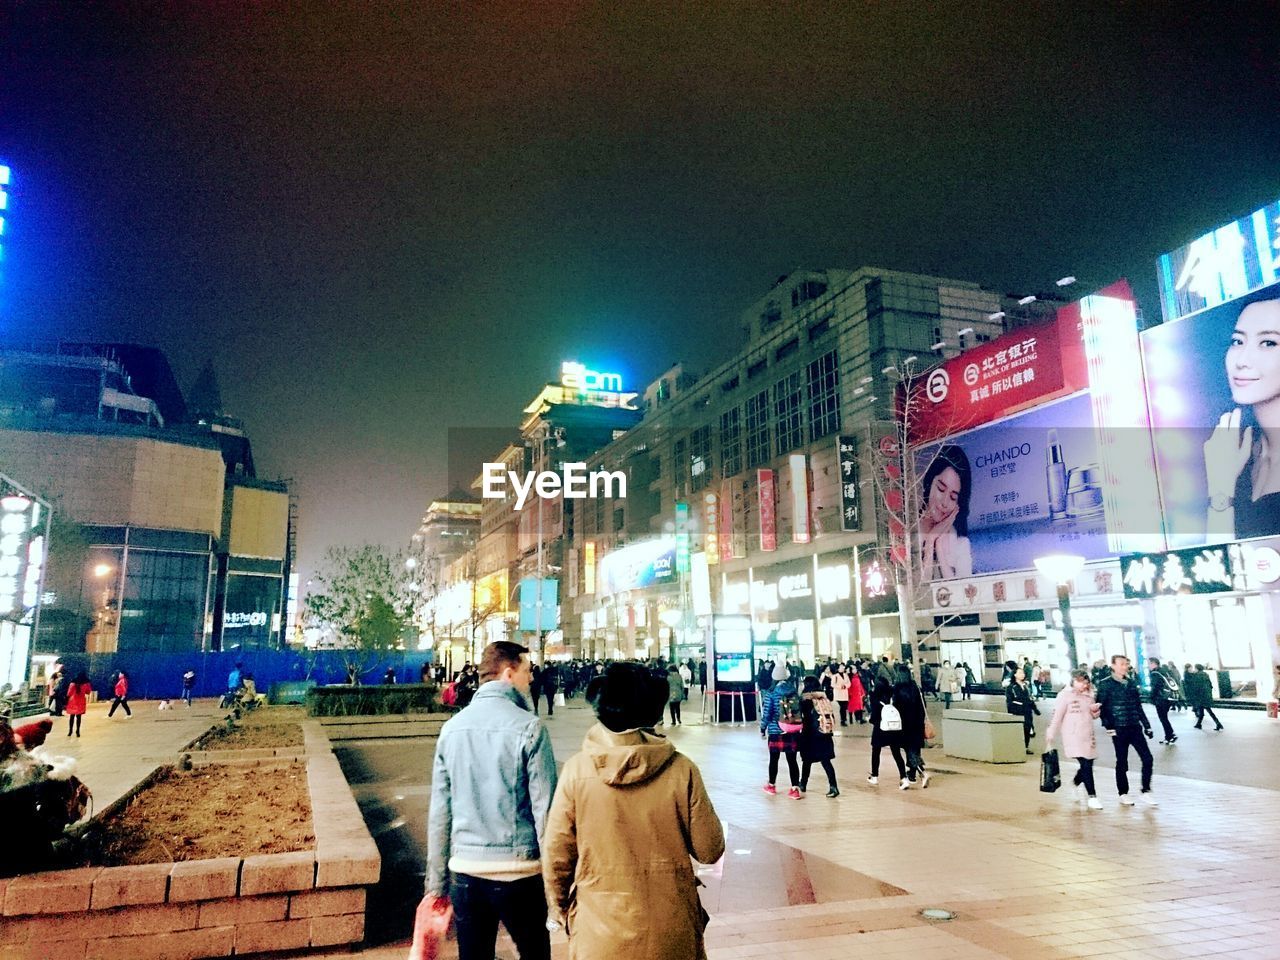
x,y
206,908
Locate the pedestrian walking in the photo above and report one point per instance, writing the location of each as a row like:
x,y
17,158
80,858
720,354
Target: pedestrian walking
x,y
629,813
492,783
1164,694
57,689
675,694
1126,723
121,691
535,687
389,676
77,702
840,687
970,681
702,677
947,684
817,735
857,696
1074,711
1199,688
886,731
909,700
550,685
188,685
1018,701
780,723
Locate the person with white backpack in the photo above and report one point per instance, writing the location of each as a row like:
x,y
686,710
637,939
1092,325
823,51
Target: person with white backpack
x,y
886,731
817,736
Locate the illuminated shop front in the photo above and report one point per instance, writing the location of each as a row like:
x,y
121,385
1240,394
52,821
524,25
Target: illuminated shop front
x,y
1218,606
24,529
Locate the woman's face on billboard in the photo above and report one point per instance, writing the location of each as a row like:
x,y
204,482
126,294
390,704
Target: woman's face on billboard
x,y
944,493
1253,358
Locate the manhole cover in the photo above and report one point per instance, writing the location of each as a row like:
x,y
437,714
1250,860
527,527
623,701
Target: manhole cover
x,y
937,913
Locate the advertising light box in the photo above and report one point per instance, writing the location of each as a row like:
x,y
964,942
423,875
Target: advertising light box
x,y
997,497
1214,381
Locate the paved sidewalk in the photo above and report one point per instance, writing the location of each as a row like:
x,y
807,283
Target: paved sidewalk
x,y
1029,876
115,755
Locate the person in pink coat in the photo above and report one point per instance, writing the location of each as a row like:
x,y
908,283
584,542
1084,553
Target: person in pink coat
x,y
1073,714
856,696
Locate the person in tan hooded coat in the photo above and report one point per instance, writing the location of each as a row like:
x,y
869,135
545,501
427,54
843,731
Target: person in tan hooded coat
x,y
628,814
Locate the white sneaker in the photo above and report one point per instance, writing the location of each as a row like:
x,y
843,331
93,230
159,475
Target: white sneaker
x,y
1080,793
1126,800
924,779
873,780
905,784
1149,799
1095,803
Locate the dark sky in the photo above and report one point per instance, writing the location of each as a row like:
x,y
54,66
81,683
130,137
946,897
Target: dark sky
x,y
383,220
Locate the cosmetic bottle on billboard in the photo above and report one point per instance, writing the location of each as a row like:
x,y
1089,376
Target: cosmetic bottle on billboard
x,y
1056,475
1084,493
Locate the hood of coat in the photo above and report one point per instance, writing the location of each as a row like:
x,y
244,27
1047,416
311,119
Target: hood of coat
x,y
627,758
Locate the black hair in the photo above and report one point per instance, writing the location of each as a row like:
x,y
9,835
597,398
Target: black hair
x,y
810,684
627,696
954,457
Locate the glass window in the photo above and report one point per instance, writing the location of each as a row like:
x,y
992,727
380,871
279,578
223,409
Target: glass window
x,y
700,457
787,414
758,429
164,601
680,472
731,442
824,396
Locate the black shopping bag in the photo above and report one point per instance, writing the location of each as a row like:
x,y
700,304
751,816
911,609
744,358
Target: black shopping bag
x,y
1050,777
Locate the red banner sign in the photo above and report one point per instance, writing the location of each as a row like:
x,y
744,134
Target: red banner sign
x,y
1023,368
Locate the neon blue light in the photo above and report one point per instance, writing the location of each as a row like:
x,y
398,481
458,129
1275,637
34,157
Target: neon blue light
x,y
4,176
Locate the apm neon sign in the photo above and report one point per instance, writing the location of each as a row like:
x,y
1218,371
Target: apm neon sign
x,y
575,376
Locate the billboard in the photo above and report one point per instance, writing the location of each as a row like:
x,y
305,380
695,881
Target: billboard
x,y
997,497
1213,380
638,565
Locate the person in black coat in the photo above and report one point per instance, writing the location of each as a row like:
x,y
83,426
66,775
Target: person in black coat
x,y
815,745
1018,701
881,694
1126,723
1163,695
1199,690
550,684
910,703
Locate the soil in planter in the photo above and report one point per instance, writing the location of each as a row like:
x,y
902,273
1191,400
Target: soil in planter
x,y
206,813
266,727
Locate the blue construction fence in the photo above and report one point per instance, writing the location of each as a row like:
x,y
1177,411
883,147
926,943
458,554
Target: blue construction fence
x,y
157,676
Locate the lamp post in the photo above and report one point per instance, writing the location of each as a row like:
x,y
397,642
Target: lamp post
x,y
1062,569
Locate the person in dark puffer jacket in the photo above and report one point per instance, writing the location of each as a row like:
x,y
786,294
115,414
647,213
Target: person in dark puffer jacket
x,y
1126,722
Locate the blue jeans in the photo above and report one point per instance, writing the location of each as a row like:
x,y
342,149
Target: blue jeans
x,y
520,905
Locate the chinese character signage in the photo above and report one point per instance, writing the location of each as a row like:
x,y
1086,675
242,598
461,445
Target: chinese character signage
x,y
711,527
766,485
1200,570
1031,365
850,502
682,537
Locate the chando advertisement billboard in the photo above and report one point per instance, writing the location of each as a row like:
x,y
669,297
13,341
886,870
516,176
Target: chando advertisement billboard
x,y
1046,449
1213,375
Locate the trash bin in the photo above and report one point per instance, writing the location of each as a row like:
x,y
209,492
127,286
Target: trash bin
x,y
1273,710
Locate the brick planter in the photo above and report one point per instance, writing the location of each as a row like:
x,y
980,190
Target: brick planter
x,y
206,908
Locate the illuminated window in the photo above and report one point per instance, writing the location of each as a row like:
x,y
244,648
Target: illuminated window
x,y
758,429
824,396
787,414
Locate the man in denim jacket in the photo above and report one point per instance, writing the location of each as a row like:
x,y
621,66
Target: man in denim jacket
x,y
491,788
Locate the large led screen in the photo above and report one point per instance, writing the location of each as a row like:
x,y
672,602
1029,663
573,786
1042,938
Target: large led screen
x,y
1214,387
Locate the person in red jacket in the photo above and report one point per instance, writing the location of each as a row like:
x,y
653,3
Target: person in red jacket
x,y
77,702
122,695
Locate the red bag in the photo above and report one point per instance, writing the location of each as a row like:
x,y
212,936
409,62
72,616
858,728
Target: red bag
x,y
430,924
449,695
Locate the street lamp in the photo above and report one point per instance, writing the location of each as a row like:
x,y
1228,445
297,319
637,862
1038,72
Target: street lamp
x,y
1062,569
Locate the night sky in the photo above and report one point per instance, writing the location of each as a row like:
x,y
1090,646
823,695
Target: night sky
x,y
381,221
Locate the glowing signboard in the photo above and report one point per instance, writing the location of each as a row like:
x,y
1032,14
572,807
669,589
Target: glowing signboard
x,y
4,204
575,376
